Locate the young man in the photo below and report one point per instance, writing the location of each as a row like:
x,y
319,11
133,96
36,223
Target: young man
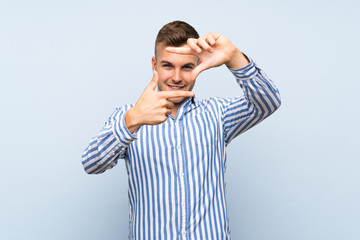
x,y
174,145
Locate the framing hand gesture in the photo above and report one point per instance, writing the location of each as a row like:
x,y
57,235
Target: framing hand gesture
x,y
153,107
213,50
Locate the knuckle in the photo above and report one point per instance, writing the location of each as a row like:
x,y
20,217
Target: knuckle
x,y
164,102
161,96
164,111
192,41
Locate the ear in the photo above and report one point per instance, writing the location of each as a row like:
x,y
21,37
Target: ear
x,y
153,63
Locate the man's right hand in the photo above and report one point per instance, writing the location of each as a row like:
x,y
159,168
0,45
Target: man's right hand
x,y
153,107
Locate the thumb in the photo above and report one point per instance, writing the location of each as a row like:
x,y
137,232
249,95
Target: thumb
x,y
154,81
201,67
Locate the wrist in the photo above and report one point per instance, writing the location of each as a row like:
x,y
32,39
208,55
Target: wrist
x,y
238,60
132,121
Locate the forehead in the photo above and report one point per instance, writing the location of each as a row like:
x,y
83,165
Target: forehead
x,y
163,55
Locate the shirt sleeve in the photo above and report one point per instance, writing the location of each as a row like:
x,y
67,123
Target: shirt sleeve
x,y
109,144
261,98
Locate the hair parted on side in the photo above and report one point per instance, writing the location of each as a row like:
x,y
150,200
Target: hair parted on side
x,y
175,34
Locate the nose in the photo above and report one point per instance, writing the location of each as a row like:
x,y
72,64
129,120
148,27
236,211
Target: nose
x,y
176,76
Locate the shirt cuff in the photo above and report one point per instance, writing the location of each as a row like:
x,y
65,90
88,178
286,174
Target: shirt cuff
x,y
122,133
247,72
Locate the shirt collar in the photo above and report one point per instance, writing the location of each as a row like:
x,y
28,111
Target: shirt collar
x,y
186,106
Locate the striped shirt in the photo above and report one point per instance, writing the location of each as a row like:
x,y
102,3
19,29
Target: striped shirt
x,y
176,169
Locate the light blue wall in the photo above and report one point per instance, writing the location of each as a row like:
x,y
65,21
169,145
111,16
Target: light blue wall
x,y
65,66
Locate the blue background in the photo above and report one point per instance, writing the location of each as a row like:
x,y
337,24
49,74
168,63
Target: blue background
x,y
66,65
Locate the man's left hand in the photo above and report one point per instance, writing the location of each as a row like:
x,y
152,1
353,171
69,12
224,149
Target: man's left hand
x,y
213,50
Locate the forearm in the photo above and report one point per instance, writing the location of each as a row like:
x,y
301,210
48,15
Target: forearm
x,y
261,98
101,153
108,145
260,92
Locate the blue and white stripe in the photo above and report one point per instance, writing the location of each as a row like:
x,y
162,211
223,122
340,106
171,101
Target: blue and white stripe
x,y
176,169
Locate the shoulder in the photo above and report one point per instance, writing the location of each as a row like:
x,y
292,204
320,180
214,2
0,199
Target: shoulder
x,y
123,108
219,101
212,104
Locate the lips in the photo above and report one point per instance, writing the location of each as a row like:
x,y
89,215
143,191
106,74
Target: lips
x,y
175,87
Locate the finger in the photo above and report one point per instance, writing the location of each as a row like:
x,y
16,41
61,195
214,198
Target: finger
x,y
203,44
154,81
173,94
168,112
211,39
169,104
165,103
192,42
215,35
180,50
196,71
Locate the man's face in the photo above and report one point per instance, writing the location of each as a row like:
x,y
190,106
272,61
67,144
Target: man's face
x,y
174,71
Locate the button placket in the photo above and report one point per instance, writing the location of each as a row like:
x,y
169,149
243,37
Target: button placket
x,y
181,178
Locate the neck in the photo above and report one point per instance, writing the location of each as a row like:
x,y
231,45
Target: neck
x,y
174,110
176,107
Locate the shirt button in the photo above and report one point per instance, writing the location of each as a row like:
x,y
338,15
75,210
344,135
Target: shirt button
x,y
182,174
183,232
183,204
178,147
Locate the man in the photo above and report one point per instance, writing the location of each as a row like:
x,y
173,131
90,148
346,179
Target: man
x,y
174,145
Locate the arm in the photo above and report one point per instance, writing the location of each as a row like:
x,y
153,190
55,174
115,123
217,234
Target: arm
x,y
109,144
261,98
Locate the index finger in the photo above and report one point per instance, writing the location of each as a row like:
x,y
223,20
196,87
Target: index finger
x,y
154,81
172,94
180,50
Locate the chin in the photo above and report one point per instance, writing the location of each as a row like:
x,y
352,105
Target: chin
x,y
177,100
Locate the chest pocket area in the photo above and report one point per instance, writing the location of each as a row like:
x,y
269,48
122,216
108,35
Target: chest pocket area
x,y
204,129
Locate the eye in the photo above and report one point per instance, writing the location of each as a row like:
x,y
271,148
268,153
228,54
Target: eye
x,y
188,67
167,65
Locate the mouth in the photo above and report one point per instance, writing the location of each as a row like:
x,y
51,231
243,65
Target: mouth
x,y
176,87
